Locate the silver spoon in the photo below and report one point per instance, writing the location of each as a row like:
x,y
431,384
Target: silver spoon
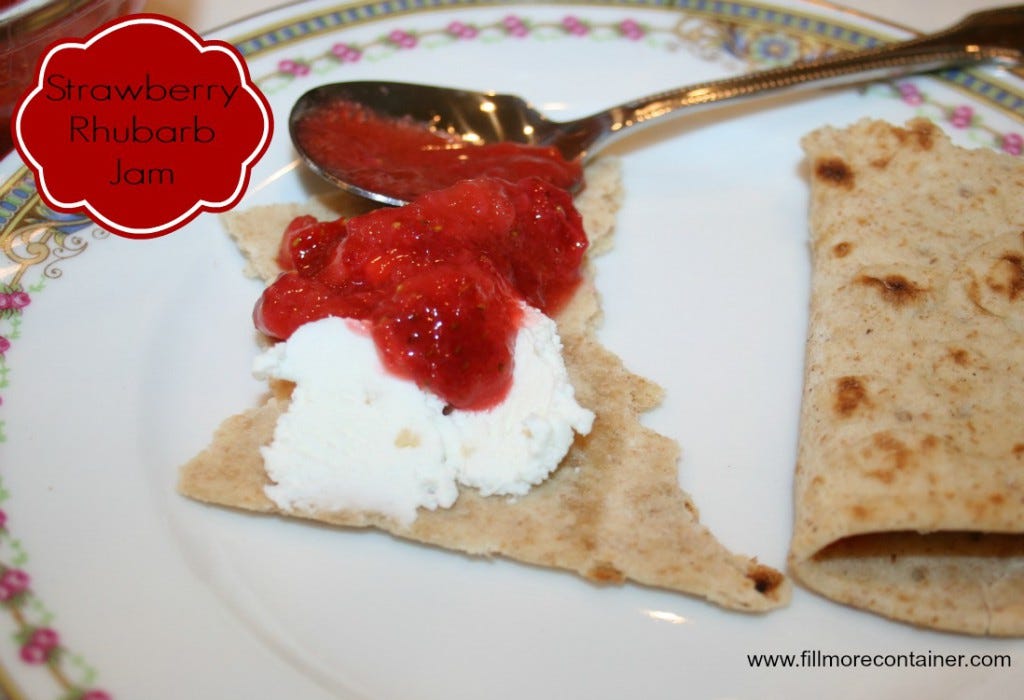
x,y
991,36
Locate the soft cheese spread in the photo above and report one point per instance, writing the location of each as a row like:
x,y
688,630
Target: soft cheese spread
x,y
357,437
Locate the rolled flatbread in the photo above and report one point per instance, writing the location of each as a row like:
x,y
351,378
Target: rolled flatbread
x,y
909,485
612,511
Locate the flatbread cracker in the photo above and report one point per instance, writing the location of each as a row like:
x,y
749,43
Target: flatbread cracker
x,y
910,477
613,510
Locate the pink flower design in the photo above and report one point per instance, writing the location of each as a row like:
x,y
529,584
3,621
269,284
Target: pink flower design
x,y
1013,144
13,582
910,94
19,300
515,26
631,29
296,68
5,345
96,695
346,53
459,30
6,302
46,638
3,520
34,653
40,646
402,39
575,26
961,116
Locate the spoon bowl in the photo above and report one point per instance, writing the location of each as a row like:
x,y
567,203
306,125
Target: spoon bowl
x,y
477,118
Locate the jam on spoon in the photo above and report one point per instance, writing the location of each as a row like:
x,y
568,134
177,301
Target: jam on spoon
x,y
377,153
453,118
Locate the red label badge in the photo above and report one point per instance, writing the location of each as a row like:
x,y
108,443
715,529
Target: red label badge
x,y
143,125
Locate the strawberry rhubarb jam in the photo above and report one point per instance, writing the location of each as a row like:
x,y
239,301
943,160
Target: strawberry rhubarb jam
x,y
439,282
403,158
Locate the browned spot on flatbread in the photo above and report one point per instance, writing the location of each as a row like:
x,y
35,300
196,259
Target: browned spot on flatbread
x,y
1007,276
1018,450
897,457
860,512
841,250
886,476
606,573
921,134
766,579
895,289
834,171
960,356
691,509
850,394
974,294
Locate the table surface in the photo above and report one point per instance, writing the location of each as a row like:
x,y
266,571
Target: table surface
x,y
922,15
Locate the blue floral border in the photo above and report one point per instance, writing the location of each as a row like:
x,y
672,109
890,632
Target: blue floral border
x,y
353,14
836,33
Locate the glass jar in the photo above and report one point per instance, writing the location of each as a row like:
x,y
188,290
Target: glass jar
x,y
28,28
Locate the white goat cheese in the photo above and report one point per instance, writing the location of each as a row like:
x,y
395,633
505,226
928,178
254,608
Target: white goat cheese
x,y
355,437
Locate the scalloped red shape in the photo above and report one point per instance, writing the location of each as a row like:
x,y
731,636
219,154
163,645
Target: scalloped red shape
x,y
142,126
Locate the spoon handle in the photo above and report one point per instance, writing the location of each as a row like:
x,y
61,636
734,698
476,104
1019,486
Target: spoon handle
x,y
987,36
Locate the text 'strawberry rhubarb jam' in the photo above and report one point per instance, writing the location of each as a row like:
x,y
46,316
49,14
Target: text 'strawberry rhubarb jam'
x,y
403,158
439,282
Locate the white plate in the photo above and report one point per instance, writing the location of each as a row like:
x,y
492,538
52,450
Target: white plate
x,y
129,353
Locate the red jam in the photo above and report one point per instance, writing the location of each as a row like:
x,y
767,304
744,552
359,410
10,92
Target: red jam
x,y
403,159
439,281
26,33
